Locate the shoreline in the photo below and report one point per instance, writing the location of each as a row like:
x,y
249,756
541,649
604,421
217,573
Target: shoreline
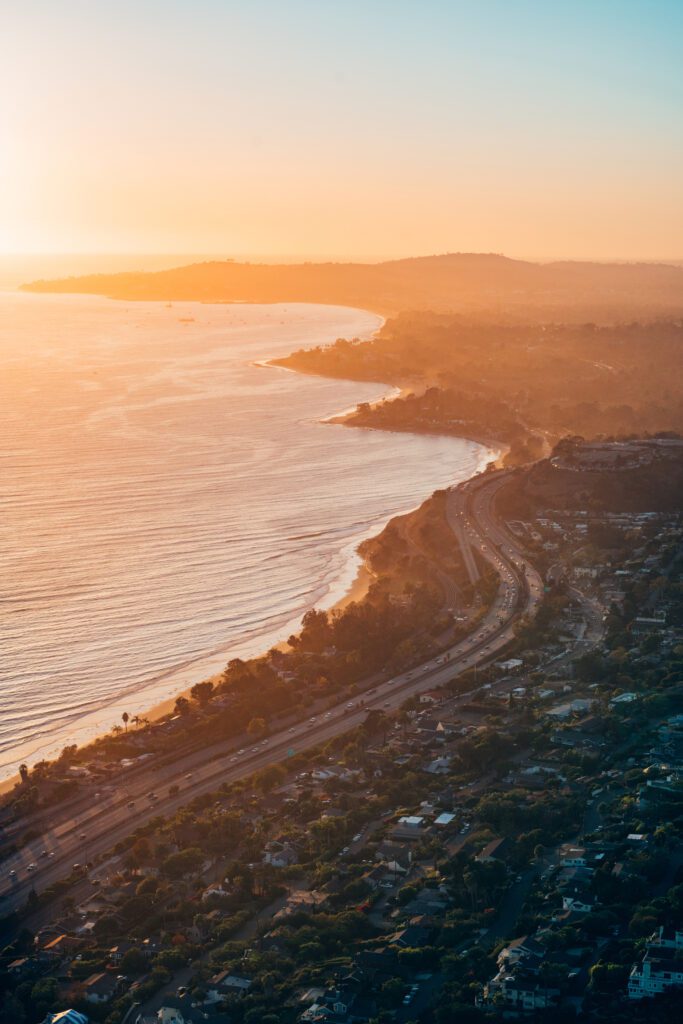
x,y
356,592
354,581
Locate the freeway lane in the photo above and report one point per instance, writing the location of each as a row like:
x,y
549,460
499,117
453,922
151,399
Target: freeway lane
x,y
92,833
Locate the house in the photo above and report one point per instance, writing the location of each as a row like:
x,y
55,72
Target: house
x,y
117,952
431,697
379,963
410,826
519,990
215,889
511,665
623,698
280,855
428,903
525,950
395,856
667,938
413,936
573,856
578,899
433,729
525,992
661,968
225,983
99,988
563,712
170,1015
66,1017
375,876
304,899
340,1005
63,945
22,967
497,849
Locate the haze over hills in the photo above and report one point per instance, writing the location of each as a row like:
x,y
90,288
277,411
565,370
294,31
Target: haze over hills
x,y
487,284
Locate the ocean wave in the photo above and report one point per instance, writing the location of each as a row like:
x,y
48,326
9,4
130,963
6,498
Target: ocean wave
x,y
145,539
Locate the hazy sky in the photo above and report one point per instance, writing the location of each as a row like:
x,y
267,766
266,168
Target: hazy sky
x,y
335,127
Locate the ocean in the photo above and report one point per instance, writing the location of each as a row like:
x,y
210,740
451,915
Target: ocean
x,y
167,503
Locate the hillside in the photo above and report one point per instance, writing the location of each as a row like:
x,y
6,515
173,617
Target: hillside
x,y
486,284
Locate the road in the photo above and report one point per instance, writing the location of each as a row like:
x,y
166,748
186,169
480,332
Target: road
x,y
91,833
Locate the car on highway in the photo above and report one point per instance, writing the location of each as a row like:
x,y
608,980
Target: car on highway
x,y
30,867
130,805
312,720
13,873
82,835
357,838
232,760
189,775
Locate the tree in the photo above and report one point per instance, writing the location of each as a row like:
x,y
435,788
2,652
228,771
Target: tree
x,y
44,995
141,852
23,772
185,862
133,961
202,692
269,777
256,727
182,706
12,1009
125,718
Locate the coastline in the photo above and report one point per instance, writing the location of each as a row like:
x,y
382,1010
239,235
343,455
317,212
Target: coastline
x,y
493,444
352,584
356,592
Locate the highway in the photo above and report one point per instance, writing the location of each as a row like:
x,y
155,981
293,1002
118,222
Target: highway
x,y
90,833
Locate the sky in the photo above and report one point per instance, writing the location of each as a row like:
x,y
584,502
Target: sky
x,y
341,128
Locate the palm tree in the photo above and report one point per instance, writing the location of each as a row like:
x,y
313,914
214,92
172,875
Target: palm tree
x,y
136,720
125,718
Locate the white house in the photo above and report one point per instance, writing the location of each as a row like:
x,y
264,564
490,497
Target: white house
x,y
661,968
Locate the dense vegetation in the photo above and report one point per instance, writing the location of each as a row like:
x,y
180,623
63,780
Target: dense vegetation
x,y
515,381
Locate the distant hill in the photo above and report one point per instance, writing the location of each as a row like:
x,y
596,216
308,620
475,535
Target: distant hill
x,y
486,284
